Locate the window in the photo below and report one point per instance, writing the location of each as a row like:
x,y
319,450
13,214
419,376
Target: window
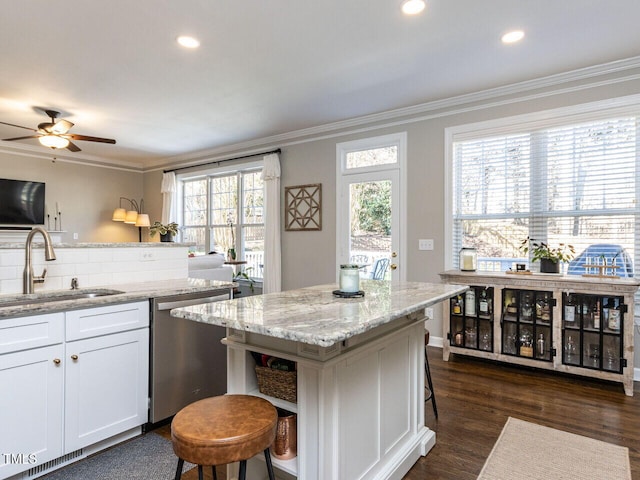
x,y
224,210
566,183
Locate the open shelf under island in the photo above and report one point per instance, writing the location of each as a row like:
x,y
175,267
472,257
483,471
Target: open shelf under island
x,y
360,373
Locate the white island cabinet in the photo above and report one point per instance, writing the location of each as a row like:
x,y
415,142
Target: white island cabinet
x,y
69,381
360,373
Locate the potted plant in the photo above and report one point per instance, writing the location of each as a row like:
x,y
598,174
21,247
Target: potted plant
x,y
550,257
242,274
231,252
166,231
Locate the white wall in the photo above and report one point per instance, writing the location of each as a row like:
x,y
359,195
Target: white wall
x,y
87,194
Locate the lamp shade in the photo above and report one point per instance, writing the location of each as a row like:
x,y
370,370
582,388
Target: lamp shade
x,y
131,217
143,220
53,141
119,214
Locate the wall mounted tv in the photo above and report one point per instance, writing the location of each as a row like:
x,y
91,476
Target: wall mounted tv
x,y
21,203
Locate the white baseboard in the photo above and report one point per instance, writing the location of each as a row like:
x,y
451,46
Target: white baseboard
x,y
438,342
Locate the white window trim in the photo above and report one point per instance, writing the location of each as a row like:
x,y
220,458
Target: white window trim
x,y
342,149
629,105
219,170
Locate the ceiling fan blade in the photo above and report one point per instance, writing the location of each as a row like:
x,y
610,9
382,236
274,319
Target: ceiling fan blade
x,y
61,126
20,138
73,147
90,139
19,126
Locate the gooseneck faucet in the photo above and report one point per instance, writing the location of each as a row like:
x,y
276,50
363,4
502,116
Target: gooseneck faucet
x,y
28,279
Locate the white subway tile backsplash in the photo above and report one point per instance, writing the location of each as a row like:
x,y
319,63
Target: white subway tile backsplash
x,y
93,266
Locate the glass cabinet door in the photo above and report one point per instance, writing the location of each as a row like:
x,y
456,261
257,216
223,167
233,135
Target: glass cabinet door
x,y
471,319
527,317
592,331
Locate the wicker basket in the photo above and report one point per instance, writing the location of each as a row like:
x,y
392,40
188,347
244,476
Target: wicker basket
x,y
277,383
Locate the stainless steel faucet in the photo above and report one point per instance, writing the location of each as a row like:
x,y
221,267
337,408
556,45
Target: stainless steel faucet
x,y
28,279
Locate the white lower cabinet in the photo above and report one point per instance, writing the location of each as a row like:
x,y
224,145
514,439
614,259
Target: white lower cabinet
x,y
31,405
59,397
106,384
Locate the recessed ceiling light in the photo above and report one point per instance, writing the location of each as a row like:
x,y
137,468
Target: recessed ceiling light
x,y
413,7
188,42
512,37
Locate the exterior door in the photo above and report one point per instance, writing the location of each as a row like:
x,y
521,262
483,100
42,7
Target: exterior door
x,y
370,206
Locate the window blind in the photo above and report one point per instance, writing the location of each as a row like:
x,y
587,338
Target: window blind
x,y
575,184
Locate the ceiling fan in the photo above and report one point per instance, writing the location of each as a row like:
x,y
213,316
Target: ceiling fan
x,y
55,134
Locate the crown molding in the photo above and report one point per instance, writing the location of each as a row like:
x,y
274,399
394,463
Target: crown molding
x,y
555,84
63,157
448,106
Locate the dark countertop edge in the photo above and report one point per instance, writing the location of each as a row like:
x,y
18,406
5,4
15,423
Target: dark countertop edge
x,y
132,293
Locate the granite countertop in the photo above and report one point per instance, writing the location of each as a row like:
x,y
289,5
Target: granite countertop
x,y
131,292
314,316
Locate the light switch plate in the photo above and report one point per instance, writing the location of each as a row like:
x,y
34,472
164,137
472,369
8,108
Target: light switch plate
x,y
425,244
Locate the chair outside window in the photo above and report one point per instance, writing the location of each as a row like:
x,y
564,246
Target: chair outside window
x,y
600,252
379,269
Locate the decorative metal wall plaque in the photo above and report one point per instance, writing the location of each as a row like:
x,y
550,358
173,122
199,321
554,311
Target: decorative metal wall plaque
x,y
303,207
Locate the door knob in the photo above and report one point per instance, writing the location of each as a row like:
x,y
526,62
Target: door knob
x,y
393,266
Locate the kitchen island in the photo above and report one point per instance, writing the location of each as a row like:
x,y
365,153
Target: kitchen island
x,y
360,372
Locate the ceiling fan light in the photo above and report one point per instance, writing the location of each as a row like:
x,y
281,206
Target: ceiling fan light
x,y
413,7
54,141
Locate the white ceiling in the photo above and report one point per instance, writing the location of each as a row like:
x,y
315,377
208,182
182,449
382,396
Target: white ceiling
x,y
267,67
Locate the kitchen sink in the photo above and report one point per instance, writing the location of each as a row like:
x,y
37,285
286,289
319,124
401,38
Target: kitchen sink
x,y
48,297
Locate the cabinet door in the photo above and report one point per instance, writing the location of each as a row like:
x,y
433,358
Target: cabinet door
x,y
30,408
527,319
593,332
471,317
107,383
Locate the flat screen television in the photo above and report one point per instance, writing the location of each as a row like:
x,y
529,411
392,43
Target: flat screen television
x,y
21,203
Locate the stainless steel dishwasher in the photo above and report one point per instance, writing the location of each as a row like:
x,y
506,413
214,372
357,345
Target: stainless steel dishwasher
x,y
188,362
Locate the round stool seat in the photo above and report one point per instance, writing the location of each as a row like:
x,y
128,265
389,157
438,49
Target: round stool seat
x,y
223,429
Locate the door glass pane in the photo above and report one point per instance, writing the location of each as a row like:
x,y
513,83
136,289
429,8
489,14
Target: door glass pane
x,y
372,157
370,228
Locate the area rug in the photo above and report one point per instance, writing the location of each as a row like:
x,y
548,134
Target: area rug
x,y
526,451
149,457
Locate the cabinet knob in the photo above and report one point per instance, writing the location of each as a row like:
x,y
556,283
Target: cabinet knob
x,y
56,361
74,357
393,266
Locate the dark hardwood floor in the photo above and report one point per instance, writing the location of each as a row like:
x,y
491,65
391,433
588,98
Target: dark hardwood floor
x,y
476,397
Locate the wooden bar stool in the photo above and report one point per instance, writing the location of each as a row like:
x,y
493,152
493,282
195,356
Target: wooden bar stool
x,y
224,429
431,396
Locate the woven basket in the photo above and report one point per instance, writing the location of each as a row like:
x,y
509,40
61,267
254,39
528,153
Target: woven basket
x,y
277,383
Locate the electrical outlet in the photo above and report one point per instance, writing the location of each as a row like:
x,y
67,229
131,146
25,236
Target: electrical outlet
x,y
75,236
147,256
425,244
428,312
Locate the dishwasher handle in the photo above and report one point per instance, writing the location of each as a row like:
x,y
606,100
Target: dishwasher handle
x,y
161,306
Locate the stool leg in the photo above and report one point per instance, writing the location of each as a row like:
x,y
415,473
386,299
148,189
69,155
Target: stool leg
x,y
200,473
432,394
267,457
243,470
215,475
179,469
